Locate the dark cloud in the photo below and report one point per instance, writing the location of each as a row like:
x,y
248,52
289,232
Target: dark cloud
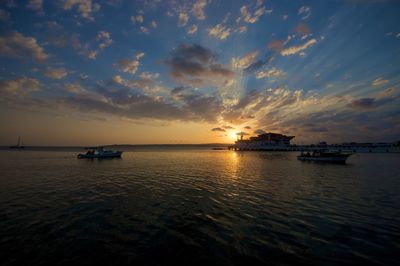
x,y
179,89
17,45
258,64
197,66
247,127
259,132
208,108
218,129
228,127
371,103
318,129
364,103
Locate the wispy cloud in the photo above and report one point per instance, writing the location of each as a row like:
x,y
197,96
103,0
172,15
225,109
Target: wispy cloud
x,y
93,47
219,31
86,8
19,87
379,82
304,12
247,16
192,29
299,48
270,73
245,61
130,65
55,73
198,9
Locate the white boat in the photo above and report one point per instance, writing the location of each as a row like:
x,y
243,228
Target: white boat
x,y
99,152
324,156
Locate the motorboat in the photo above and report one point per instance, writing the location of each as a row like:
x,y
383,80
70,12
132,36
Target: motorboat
x,y
99,152
324,156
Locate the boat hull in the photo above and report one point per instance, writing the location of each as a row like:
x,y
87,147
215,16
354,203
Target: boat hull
x,y
328,159
100,156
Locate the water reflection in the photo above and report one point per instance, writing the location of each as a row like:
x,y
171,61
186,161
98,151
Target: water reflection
x,y
216,207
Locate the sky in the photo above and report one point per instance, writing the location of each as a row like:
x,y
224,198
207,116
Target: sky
x,y
87,72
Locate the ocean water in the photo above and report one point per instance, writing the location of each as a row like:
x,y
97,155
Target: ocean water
x,y
193,206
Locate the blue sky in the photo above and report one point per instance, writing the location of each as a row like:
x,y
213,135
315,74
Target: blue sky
x,y
199,71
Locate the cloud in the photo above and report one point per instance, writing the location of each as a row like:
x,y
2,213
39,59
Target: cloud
x,y
259,132
218,129
154,24
93,47
196,66
297,49
145,30
247,15
55,73
143,83
382,98
130,65
133,104
178,90
104,38
271,73
241,29
379,82
192,29
219,31
245,61
198,9
138,18
183,19
303,29
19,46
247,127
364,103
228,127
35,5
75,88
4,15
305,12
85,7
276,45
19,87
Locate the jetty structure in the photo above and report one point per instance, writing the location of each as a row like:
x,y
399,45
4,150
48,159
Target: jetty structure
x,y
263,142
280,142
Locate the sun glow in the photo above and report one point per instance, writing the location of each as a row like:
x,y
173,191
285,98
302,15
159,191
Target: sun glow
x,y
232,136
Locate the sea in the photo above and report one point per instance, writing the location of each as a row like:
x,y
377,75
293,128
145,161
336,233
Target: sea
x,y
191,205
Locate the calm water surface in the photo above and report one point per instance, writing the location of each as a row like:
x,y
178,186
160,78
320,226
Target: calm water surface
x,y
198,206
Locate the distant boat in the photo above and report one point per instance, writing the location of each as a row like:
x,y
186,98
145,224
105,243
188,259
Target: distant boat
x,y
324,156
100,153
19,145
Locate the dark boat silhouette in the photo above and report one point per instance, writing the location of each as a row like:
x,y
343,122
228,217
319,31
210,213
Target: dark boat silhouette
x,y
100,153
19,145
324,156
